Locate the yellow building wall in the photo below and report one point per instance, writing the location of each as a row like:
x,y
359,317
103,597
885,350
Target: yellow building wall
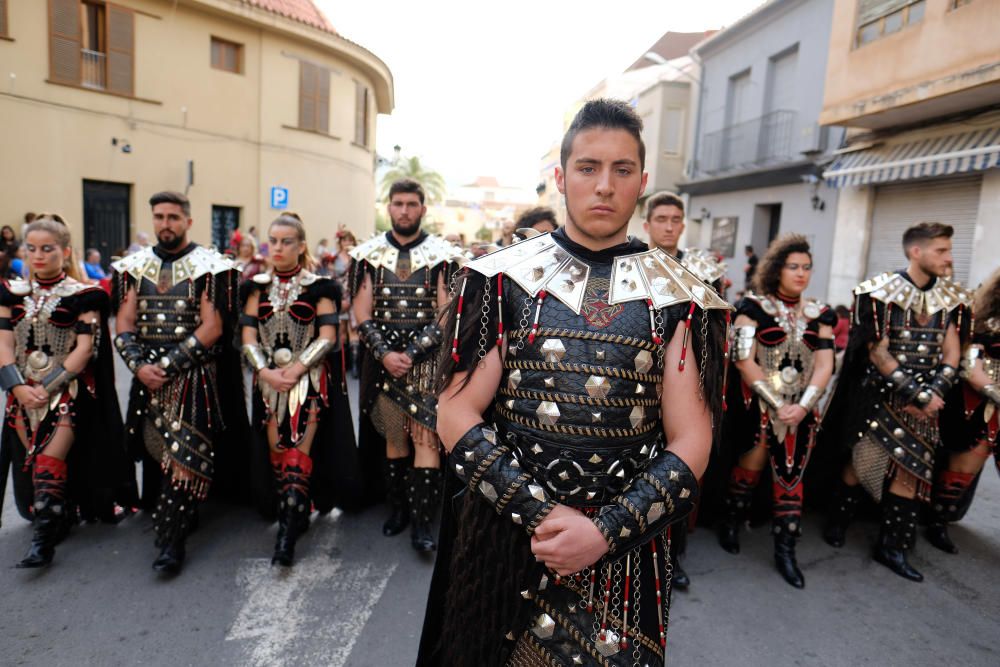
x,y
52,136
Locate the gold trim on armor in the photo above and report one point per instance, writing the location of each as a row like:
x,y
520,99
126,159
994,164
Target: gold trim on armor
x,y
569,429
606,371
579,400
586,335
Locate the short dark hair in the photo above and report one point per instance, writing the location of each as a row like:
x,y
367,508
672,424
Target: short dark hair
x,y
923,232
171,197
407,185
537,215
663,199
608,114
748,248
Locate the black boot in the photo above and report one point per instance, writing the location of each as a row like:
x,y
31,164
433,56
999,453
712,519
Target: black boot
x,y
50,510
295,506
425,496
947,496
678,545
784,559
897,535
741,485
396,496
843,507
174,519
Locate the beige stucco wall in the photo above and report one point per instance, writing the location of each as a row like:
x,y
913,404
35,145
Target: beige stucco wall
x,y
230,125
949,50
851,232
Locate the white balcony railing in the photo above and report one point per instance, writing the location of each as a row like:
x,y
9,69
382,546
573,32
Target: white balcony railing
x,y
92,75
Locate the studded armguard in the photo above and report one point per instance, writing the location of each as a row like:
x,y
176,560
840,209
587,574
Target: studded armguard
x,y
492,470
373,339
425,343
184,356
130,350
944,380
665,492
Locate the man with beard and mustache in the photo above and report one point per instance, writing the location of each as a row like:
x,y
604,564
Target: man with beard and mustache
x,y
901,362
176,306
399,285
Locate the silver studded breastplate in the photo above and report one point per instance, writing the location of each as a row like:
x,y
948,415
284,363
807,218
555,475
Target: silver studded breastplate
x,y
43,337
287,318
404,301
782,354
167,313
581,402
915,345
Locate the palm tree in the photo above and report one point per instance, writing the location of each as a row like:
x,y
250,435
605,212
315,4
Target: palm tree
x,y
432,182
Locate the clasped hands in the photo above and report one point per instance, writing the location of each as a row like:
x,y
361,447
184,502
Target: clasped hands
x,y
283,379
567,541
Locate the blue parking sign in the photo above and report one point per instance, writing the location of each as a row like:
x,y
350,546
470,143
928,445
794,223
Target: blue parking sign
x,y
279,197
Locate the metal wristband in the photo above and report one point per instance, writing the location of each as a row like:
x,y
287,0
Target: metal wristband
x,y
944,380
744,342
904,386
425,342
10,377
764,390
810,397
992,392
664,493
183,356
130,350
56,379
315,352
492,470
373,339
255,357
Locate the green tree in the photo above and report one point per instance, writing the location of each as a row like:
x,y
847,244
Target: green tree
x,y
411,167
484,234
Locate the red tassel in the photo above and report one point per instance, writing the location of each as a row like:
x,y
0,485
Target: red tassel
x,y
657,339
687,332
538,312
458,321
499,309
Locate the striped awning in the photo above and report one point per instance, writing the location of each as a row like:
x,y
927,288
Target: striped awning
x,y
974,150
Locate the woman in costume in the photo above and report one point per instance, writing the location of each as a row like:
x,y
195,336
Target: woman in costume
x,y
62,430
289,334
784,355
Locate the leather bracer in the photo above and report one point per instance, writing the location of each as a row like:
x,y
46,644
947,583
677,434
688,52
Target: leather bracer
x,y
373,339
425,343
664,493
130,350
491,469
184,356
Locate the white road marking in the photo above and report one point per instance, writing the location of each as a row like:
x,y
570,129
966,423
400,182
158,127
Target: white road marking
x,y
320,606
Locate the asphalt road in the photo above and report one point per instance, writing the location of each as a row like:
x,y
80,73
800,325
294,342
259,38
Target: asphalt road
x,y
356,598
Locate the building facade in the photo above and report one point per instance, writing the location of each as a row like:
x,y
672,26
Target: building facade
x,y
251,107
917,82
758,147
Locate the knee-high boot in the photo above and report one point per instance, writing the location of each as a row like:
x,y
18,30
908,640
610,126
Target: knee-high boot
x,y
396,496
424,488
741,485
897,535
946,496
787,528
50,510
295,505
843,507
174,519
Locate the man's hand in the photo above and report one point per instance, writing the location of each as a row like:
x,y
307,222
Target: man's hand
x,y
567,541
397,363
294,372
277,379
30,396
152,376
932,408
792,414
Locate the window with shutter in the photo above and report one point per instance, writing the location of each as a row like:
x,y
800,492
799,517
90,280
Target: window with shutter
x,y
314,97
64,41
227,56
360,114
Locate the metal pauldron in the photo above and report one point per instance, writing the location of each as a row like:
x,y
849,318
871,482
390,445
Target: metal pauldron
x,y
373,339
664,493
255,357
10,377
770,396
315,352
744,341
491,469
424,343
130,350
588,473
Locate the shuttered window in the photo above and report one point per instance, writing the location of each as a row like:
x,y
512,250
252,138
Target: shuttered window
x,y
360,114
3,19
877,18
314,97
92,44
953,201
227,55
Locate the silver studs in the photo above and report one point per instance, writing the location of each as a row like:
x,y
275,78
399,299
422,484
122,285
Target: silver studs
x,y
596,417
553,350
643,361
656,510
548,413
600,354
595,459
537,492
639,389
624,533
544,626
516,518
597,386
488,491
550,383
514,379
637,416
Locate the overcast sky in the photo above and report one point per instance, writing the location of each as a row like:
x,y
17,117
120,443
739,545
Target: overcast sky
x,y
481,88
